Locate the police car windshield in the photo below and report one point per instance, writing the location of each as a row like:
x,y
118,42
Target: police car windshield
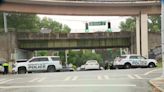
x,y
21,61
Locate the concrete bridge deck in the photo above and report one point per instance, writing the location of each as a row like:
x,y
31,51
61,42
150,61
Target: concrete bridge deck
x,y
34,41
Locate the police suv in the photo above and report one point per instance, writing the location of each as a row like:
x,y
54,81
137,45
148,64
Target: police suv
x,y
40,63
128,61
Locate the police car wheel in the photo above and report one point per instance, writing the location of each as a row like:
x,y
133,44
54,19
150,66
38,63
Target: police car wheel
x,y
51,69
151,65
22,71
127,66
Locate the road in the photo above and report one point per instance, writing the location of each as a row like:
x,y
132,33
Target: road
x,y
123,80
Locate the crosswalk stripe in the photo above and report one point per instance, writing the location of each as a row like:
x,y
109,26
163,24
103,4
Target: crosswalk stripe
x,y
2,79
5,81
75,78
35,79
67,78
130,76
106,77
138,77
40,80
99,77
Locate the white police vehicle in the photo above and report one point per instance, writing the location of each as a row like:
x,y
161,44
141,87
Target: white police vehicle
x,y
128,61
40,63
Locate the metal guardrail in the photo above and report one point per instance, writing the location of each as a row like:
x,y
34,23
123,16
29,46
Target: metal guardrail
x,y
53,36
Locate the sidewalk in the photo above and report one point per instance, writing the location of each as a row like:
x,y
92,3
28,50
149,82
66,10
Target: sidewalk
x,y
158,84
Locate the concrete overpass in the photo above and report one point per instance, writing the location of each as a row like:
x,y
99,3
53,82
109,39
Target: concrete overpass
x,y
139,8
56,41
83,7
25,43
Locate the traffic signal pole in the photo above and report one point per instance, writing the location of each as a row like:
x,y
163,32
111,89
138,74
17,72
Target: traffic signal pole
x,y
5,21
162,34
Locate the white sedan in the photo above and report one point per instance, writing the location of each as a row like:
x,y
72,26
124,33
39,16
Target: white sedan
x,y
92,64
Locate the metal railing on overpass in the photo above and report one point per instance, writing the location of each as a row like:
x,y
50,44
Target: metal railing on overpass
x,y
51,36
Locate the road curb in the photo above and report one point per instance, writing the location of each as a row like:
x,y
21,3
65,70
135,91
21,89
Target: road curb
x,y
157,88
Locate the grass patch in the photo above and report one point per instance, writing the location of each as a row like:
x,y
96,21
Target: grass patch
x,y
159,64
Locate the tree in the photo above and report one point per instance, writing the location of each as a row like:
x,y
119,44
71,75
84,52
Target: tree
x,y
128,25
79,58
65,29
22,22
154,23
53,25
42,53
32,23
50,24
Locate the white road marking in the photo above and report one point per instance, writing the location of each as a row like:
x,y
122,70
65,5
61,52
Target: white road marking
x,y
67,78
99,77
70,86
40,80
130,76
2,79
35,79
19,78
147,73
75,78
138,77
5,81
106,77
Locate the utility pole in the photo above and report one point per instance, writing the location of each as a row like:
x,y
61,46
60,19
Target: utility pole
x,y
5,21
162,33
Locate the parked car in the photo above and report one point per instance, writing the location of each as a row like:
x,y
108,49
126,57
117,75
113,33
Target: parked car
x,y
82,67
68,68
133,60
40,63
92,64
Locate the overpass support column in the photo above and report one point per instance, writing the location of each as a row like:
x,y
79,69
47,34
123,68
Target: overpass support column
x,y
138,35
142,35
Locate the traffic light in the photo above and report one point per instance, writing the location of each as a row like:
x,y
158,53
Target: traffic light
x,y
109,27
86,27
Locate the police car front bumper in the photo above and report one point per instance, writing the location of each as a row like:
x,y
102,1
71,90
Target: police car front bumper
x,y
14,70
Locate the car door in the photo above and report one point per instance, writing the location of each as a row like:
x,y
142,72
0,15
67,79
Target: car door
x,y
37,64
135,61
143,61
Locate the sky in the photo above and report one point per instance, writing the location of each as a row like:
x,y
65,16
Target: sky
x,y
77,23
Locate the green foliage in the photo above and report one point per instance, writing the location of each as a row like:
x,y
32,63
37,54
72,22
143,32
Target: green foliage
x,y
79,58
66,29
32,23
42,53
62,56
154,23
128,25
53,25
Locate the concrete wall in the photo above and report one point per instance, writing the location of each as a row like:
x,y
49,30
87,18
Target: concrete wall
x,y
154,40
8,43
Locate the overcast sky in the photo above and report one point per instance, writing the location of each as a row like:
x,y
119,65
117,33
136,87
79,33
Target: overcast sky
x,y
77,23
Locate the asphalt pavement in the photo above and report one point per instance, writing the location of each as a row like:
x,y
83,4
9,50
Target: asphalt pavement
x,y
123,80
